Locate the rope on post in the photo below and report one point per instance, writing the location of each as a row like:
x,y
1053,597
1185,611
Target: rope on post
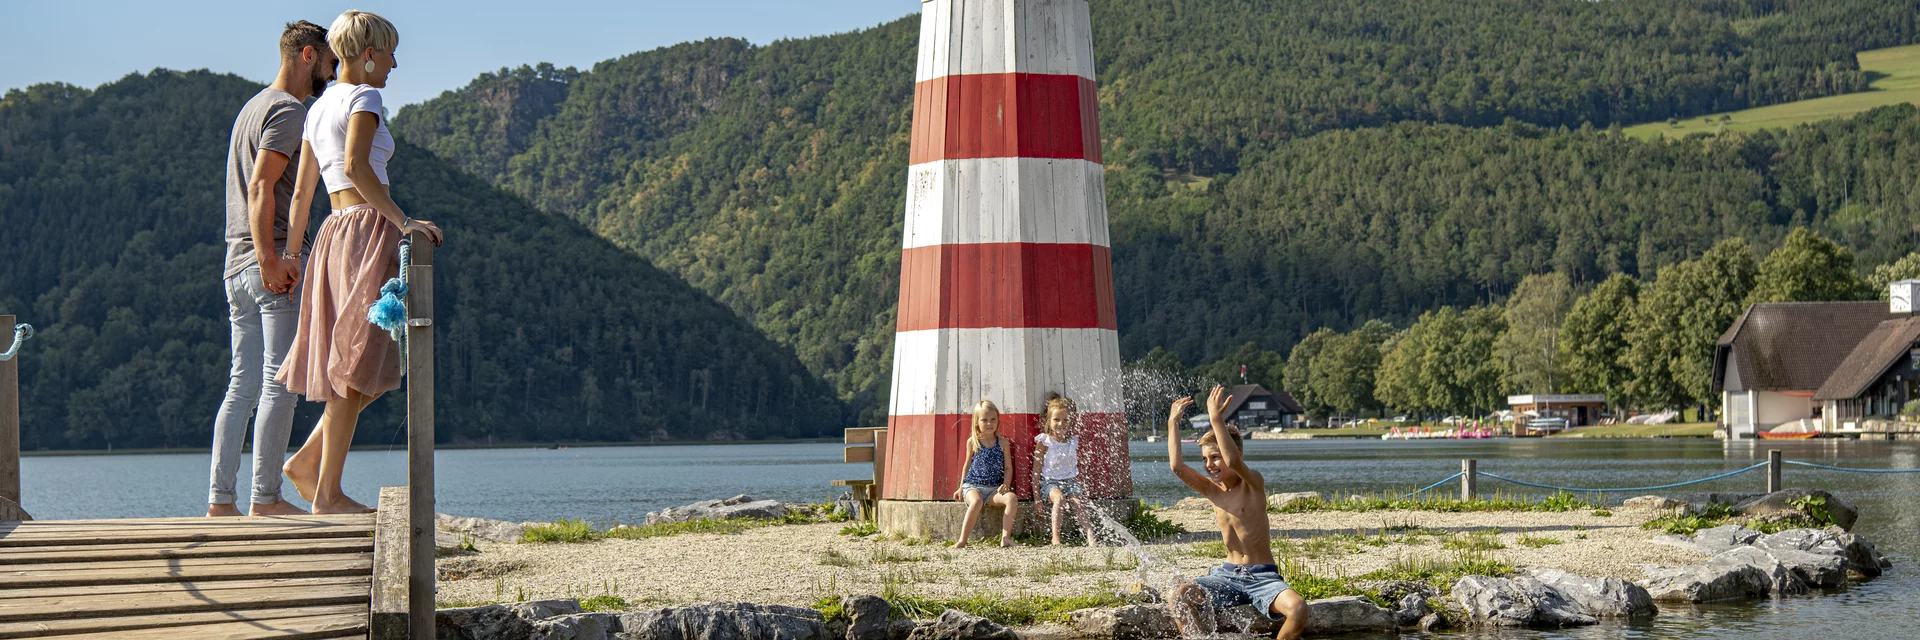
x,y
21,332
1432,486
390,311
1850,469
1616,489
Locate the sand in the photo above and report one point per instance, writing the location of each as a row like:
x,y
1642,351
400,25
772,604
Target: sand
x,y
799,564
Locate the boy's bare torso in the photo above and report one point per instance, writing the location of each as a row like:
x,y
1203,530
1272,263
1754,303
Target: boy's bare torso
x,y
1241,512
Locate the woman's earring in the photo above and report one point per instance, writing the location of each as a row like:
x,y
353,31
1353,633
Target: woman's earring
x,y
369,66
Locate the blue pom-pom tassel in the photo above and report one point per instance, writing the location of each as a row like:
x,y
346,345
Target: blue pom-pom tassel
x,y
390,312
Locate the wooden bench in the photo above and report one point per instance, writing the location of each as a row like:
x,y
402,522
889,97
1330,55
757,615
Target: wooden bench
x,y
866,444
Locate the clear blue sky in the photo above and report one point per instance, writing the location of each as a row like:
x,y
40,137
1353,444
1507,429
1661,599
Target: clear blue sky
x,y
443,44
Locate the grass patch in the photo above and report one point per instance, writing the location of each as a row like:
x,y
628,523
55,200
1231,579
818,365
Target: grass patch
x,y
860,529
1207,549
567,530
604,603
890,555
1476,541
562,530
1362,502
1147,527
1896,73
834,558
1535,542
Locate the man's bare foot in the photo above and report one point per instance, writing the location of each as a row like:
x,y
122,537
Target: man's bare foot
x,y
343,505
1056,543
303,477
223,511
281,508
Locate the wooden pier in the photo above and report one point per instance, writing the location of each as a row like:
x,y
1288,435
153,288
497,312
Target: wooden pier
x,y
296,577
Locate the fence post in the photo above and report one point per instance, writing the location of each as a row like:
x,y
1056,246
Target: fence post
x,y
9,417
1773,470
1469,479
420,519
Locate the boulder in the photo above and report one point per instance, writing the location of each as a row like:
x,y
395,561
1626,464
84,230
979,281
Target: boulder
x,y
1132,622
1395,590
1283,500
1653,503
724,621
1432,622
1684,542
1780,503
1516,602
486,622
1781,579
740,506
1599,597
581,626
1410,609
903,629
866,617
954,624
1703,583
1816,556
482,528
1724,537
1347,614
1863,559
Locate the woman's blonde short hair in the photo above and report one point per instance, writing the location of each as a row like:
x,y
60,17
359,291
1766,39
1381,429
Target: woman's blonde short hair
x,y
354,31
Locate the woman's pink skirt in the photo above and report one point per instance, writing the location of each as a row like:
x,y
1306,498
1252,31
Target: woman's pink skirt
x,y
336,349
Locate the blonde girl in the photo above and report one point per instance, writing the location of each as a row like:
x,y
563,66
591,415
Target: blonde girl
x,y
1056,453
985,476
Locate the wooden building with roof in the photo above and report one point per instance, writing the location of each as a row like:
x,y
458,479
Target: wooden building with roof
x,y
1254,407
1836,362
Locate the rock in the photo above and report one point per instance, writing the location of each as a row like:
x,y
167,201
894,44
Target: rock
x,y
902,629
482,528
1599,597
1683,542
1653,503
1395,590
1816,556
1432,622
1132,622
740,506
1780,503
867,617
724,621
1703,583
838,628
1782,581
1192,504
486,622
1863,559
1283,500
1516,602
954,624
533,610
1724,537
584,626
1412,608
448,543
1348,613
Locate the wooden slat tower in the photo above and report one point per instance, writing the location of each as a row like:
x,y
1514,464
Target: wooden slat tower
x,y
302,577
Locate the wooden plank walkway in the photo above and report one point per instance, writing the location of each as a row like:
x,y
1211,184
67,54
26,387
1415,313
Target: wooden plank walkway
x,y
284,577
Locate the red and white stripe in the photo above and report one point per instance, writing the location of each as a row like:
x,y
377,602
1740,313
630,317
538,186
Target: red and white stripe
x,y
1006,282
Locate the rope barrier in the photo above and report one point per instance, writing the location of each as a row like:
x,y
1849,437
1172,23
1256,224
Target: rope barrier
x,y
1849,469
1431,486
390,311
1616,489
21,332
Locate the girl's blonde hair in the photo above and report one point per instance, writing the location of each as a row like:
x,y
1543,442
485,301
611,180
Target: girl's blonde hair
x,y
1057,402
355,31
978,411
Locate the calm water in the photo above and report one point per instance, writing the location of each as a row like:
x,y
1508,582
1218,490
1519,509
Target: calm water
x,y
606,484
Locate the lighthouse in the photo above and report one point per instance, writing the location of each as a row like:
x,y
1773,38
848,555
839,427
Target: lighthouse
x,y
1006,279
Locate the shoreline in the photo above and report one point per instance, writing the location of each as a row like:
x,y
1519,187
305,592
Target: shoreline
x,y
437,447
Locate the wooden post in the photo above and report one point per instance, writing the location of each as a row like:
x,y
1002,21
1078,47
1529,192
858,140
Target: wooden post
x,y
420,519
1469,479
1773,470
879,475
9,417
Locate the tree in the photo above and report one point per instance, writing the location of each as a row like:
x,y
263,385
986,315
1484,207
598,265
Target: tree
x,y
1678,318
1264,368
1906,268
1533,316
1593,339
1808,268
1343,372
1298,376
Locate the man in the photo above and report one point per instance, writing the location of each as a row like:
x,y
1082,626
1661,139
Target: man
x,y
262,280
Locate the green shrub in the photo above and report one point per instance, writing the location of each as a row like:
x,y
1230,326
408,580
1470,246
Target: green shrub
x,y
604,603
563,530
1147,527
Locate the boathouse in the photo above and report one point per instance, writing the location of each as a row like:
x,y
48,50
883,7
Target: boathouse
x,y
1254,407
1832,363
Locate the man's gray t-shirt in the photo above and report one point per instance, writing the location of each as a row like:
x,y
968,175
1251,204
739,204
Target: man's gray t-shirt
x,y
273,119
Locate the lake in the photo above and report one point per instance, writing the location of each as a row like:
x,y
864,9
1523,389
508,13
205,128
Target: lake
x,y
608,484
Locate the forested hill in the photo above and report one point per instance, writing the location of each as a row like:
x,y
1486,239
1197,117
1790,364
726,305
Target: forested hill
x,y
772,176
112,209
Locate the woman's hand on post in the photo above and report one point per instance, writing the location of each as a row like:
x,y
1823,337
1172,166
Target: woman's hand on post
x,y
423,226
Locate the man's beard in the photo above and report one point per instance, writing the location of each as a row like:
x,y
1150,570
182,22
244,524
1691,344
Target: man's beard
x,y
319,83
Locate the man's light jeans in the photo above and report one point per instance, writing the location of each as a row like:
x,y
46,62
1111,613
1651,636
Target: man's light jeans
x,y
263,327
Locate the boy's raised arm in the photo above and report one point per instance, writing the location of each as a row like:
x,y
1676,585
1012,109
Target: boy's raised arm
x,y
1193,479
1216,413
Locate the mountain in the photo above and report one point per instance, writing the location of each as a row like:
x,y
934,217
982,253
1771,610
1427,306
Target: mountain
x,y
1259,186
112,207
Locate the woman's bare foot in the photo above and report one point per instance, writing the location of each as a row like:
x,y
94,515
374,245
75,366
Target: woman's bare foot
x,y
281,508
1006,540
223,511
960,545
342,505
302,476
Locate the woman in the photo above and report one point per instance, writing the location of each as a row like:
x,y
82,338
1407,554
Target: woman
x,y
338,357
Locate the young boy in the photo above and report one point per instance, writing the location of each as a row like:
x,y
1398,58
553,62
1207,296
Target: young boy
x,y
1239,497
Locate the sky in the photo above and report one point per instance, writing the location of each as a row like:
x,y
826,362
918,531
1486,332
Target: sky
x,y
443,44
